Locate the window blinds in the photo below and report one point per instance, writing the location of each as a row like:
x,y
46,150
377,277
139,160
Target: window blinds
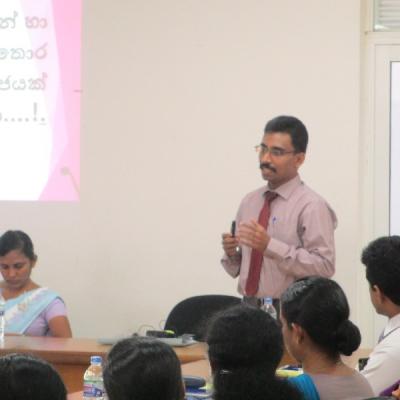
x,y
387,15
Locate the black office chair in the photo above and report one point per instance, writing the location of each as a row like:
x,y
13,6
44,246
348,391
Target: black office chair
x,y
193,314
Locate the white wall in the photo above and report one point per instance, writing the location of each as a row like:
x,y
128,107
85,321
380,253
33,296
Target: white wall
x,y
175,96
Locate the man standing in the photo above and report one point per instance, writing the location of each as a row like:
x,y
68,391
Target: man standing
x,y
285,230
382,261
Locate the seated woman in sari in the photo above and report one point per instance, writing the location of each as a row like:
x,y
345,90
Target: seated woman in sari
x,y
316,330
30,309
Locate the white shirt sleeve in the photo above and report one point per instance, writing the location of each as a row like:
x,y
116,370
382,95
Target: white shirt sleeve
x,y
382,369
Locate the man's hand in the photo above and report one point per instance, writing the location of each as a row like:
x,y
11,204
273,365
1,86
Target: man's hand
x,y
229,244
254,235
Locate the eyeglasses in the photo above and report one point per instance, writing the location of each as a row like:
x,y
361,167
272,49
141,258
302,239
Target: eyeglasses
x,y
274,151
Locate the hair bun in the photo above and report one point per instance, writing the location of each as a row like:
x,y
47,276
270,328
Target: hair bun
x,y
347,337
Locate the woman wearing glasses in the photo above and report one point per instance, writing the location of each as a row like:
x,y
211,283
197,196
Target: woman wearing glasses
x,y
30,309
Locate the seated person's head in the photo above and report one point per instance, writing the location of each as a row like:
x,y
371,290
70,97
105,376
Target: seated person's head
x,y
141,368
23,377
382,261
244,336
17,240
245,346
315,317
16,254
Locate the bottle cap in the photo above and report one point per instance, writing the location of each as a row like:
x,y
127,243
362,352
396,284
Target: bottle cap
x,y
95,360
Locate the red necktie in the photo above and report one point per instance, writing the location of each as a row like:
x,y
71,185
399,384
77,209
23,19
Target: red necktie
x,y
256,259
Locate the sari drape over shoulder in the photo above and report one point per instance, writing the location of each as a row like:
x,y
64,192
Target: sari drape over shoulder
x,y
306,385
24,309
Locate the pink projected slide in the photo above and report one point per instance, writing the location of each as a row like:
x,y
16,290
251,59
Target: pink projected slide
x,y
40,92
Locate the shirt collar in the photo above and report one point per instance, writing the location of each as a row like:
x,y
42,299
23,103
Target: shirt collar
x,y
287,188
393,322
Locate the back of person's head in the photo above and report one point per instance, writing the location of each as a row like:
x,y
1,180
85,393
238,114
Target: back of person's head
x,y
17,240
245,346
320,307
244,336
24,377
382,260
142,368
293,127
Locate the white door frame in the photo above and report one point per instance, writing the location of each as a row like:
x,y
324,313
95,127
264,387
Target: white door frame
x,y
381,49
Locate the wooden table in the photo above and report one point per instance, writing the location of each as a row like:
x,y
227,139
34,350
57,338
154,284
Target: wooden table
x,y
71,357
202,367
199,367
75,396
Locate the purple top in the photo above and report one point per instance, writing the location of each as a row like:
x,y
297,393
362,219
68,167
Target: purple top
x,y
40,326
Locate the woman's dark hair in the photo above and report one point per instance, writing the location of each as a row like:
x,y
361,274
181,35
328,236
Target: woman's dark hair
x,y
25,377
320,307
142,368
17,240
245,346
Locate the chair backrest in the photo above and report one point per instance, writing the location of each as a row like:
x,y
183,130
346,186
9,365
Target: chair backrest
x,y
193,314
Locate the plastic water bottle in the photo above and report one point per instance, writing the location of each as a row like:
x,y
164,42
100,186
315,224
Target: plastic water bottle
x,y
2,317
93,387
268,307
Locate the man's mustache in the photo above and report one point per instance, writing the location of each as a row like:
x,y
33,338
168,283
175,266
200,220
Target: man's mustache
x,y
268,166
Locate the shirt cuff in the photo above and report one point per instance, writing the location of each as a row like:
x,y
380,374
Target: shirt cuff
x,y
276,249
231,264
